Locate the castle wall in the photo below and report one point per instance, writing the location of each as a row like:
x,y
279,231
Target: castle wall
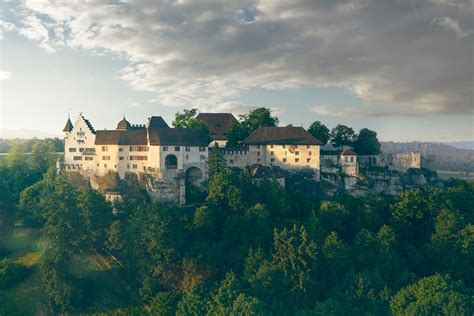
x,y
405,161
79,148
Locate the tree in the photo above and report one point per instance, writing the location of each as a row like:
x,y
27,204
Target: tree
x,y
187,119
295,255
164,304
231,300
412,215
434,295
341,136
336,254
193,302
97,217
43,155
319,131
367,143
260,117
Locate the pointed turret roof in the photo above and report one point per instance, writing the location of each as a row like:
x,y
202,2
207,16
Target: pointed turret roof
x,y
68,126
124,124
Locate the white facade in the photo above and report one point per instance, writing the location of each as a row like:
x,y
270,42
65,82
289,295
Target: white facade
x,y
82,154
286,156
79,148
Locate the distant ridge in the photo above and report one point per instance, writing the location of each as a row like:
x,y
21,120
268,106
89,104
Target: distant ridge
x,y
461,145
25,134
436,156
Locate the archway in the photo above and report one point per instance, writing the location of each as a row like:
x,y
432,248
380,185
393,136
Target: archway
x,y
193,175
171,162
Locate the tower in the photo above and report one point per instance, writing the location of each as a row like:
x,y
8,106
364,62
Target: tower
x,y
68,128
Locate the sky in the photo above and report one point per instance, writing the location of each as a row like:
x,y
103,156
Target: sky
x,y
402,68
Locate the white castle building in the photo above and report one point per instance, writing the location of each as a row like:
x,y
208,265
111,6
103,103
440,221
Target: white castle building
x,y
167,158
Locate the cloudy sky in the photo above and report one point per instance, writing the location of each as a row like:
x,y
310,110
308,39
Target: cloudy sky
x,y
401,67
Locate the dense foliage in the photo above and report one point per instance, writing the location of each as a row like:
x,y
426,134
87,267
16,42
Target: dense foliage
x,y
253,248
248,123
319,131
366,143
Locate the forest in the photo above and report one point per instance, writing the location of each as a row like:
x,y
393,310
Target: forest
x,y
251,248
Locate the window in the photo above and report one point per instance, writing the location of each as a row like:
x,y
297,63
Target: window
x,y
271,146
105,157
165,148
138,148
187,148
283,146
138,157
284,159
81,150
258,159
121,149
272,160
309,153
308,146
272,153
231,161
88,158
297,159
77,157
297,153
258,146
187,157
258,153
115,166
171,162
177,148
203,157
308,159
104,148
352,159
98,165
128,166
72,150
105,165
202,148
134,166
121,158
346,159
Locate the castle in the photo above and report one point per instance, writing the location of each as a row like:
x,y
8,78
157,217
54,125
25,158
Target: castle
x,y
166,159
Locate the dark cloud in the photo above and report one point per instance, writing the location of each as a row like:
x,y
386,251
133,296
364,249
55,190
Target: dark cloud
x,y
415,57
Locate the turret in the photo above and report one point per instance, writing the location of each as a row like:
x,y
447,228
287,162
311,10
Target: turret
x,y
124,125
68,128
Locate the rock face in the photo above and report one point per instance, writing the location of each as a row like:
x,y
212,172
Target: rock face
x,y
379,181
165,185
166,188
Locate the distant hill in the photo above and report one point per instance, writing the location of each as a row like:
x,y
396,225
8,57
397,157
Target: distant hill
x,y
25,134
461,145
436,156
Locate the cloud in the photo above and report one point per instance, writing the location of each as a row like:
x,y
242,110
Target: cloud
x,y
4,75
452,25
205,53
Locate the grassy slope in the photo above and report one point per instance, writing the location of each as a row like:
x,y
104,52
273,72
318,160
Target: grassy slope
x,y
104,286
26,298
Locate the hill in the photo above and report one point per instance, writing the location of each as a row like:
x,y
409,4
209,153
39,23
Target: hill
x,y
462,145
436,156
